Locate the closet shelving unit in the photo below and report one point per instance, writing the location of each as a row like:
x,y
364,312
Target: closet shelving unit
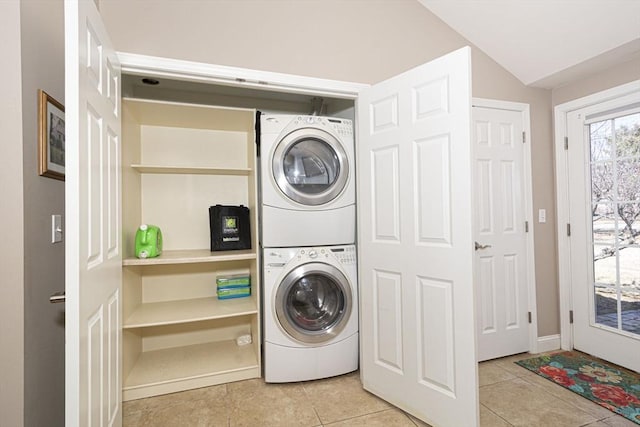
x,y
179,159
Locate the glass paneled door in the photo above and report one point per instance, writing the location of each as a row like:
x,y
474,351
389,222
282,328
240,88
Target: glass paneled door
x,y
615,210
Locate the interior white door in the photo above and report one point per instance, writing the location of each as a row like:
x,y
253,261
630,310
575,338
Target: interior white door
x,y
93,218
415,242
604,193
499,228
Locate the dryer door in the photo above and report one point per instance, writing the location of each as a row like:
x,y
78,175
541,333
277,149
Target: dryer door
x,y
310,166
313,303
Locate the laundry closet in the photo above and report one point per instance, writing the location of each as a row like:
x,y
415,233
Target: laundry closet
x,y
165,154
185,147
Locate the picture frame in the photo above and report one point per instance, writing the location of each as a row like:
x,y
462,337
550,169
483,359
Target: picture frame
x,y
51,137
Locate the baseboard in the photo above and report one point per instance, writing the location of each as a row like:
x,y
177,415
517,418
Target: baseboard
x,y
548,343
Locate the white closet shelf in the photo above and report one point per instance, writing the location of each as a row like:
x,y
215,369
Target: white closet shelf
x,y
192,256
190,310
157,169
182,368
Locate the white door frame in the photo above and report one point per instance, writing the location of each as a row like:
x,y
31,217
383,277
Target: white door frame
x,y
152,66
562,197
524,109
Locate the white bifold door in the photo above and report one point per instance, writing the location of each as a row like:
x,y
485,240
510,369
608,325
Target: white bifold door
x,y
415,242
93,249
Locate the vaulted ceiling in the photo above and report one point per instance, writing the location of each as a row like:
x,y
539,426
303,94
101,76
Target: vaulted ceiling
x,y
547,43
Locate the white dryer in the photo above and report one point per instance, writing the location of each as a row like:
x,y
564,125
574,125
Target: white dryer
x,y
307,181
310,312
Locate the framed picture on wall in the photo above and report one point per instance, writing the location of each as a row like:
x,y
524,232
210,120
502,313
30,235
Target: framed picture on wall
x,y
51,147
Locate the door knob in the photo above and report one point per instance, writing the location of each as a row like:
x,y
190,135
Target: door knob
x,y
57,297
479,246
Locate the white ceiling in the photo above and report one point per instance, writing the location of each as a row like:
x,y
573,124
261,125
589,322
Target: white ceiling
x,y
547,43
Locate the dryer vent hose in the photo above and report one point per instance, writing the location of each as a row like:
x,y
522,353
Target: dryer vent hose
x,y
318,107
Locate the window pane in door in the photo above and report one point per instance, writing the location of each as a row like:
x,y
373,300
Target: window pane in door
x,y
615,195
601,141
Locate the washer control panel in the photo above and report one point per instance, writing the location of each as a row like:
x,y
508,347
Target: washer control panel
x,y
279,257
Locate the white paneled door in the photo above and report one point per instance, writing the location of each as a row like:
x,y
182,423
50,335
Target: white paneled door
x,y
499,230
93,248
415,242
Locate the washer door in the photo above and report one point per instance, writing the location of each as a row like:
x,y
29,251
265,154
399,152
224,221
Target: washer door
x,y
313,302
310,166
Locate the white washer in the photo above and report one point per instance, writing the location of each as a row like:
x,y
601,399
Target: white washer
x,y
310,312
307,181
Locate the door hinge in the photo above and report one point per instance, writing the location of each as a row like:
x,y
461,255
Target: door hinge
x,y
524,137
529,317
571,316
568,229
526,226
566,142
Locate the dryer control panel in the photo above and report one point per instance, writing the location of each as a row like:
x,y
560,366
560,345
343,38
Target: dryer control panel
x,y
345,254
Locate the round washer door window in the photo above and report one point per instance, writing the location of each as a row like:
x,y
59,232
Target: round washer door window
x,y
310,166
313,303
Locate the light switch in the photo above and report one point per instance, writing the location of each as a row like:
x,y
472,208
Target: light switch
x,y
542,215
56,228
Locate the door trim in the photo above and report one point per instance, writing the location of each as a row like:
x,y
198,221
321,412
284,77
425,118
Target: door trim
x,y
238,77
524,109
562,197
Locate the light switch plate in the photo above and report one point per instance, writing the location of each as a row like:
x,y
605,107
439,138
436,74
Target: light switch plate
x,y
56,228
542,215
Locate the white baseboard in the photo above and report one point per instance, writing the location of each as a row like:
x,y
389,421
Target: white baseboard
x,y
548,343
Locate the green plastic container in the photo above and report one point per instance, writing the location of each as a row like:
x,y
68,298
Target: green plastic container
x,y
148,241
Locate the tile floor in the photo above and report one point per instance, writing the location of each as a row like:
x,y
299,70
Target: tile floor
x,y
509,396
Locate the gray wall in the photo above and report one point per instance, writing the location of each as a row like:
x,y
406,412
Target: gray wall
x,y
351,40
11,215
42,26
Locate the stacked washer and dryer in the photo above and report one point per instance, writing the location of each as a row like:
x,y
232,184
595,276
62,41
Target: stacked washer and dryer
x,y
310,286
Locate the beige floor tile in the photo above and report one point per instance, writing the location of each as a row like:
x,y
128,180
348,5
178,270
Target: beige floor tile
x,y
509,365
491,372
132,419
614,421
597,424
618,421
417,422
150,403
524,404
199,407
568,396
255,403
197,413
489,419
343,397
386,418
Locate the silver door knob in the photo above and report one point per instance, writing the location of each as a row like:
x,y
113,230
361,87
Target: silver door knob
x,y
479,246
57,297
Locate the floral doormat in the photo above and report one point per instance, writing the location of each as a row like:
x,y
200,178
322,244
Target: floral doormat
x,y
608,385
